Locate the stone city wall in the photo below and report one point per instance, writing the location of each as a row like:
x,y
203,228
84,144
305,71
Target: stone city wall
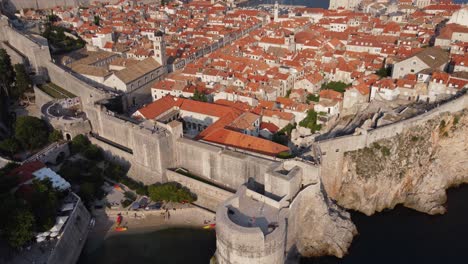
x,y
36,50
226,167
16,57
51,153
208,196
247,245
333,149
68,248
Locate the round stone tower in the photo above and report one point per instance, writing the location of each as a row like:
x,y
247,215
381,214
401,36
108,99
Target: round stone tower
x,y
250,228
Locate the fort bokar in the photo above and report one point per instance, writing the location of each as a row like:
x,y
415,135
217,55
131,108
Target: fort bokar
x,y
276,210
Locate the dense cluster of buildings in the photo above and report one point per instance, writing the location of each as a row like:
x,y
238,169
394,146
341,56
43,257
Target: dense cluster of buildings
x,y
256,73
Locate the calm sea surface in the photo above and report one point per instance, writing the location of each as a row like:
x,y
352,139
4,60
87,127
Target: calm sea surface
x,y
406,236
178,246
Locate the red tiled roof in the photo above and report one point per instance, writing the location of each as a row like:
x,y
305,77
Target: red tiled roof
x,y
269,126
25,171
157,108
246,142
331,94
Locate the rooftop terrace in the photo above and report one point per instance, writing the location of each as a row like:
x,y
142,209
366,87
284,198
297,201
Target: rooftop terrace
x,y
251,212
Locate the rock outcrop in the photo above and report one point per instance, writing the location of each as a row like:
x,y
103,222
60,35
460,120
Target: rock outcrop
x,y
319,226
413,168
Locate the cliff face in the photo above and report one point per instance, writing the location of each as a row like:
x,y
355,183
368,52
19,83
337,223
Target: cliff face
x,y
413,168
318,226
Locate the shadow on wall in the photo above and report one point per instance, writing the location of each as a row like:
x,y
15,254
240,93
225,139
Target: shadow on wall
x,y
97,234
117,159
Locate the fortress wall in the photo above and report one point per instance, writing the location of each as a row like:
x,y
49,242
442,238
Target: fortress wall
x,y
332,159
226,167
115,129
333,149
392,130
66,80
136,170
208,196
16,57
37,51
153,151
239,244
68,249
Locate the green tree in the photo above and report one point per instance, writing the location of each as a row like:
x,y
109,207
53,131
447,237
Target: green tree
x,y
10,146
198,96
170,191
336,86
79,143
7,74
93,152
312,98
97,20
56,135
31,132
310,121
20,227
87,192
70,171
23,82
44,203
384,72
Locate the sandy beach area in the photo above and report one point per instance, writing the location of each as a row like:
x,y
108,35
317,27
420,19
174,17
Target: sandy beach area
x,y
147,221
106,245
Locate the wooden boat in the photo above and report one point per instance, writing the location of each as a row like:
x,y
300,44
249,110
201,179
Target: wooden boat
x,y
121,229
209,226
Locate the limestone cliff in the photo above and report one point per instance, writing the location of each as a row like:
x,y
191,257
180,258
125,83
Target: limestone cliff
x,y
413,168
319,227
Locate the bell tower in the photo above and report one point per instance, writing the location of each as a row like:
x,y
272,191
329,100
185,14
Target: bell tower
x,y
276,12
159,48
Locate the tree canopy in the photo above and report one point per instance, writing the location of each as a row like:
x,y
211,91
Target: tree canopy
x,y
7,76
384,72
23,82
312,98
18,223
79,143
311,121
170,191
336,86
44,204
198,96
10,146
31,132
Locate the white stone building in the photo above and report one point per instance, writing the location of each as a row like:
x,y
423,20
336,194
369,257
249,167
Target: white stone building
x,y
430,58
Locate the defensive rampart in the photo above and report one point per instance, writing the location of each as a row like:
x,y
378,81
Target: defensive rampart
x,y
208,196
68,248
333,149
227,167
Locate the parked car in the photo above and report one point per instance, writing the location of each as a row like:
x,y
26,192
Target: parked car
x,y
143,203
155,206
135,206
